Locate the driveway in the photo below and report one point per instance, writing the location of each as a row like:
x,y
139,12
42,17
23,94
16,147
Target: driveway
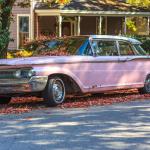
x,y
123,126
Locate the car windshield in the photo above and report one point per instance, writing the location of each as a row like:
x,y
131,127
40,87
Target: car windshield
x,y
139,49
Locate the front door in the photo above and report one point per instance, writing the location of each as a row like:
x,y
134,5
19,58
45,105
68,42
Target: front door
x,y
106,64
114,25
66,28
101,72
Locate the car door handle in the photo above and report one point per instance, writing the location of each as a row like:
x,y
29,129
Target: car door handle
x,y
125,60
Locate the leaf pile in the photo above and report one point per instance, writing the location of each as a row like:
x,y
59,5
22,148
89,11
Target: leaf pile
x,y
60,52
22,105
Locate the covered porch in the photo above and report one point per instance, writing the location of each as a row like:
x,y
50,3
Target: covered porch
x,y
65,25
91,17
88,17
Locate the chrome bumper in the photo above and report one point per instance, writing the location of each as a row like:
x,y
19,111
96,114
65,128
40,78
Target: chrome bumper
x,y
35,84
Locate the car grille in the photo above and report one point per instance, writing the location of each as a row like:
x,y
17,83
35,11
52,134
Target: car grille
x,y
7,74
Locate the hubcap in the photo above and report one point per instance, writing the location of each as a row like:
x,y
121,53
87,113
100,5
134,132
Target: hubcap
x,y
58,91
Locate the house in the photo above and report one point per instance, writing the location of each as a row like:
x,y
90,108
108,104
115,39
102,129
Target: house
x,y
80,17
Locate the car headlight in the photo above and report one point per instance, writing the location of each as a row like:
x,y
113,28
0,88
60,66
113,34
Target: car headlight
x,y
17,74
24,73
30,73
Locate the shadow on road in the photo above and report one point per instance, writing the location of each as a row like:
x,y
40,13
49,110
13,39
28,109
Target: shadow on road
x,y
111,127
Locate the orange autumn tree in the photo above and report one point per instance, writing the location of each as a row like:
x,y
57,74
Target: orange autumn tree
x,y
61,2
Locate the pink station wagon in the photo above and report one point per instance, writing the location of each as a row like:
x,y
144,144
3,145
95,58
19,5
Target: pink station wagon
x,y
99,63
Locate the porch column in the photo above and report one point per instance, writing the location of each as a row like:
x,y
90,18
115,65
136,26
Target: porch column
x,y
125,25
148,25
100,25
60,26
32,3
37,26
106,27
78,26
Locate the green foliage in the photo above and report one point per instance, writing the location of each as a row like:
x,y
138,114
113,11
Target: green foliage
x,y
143,3
146,45
5,20
4,38
131,25
145,42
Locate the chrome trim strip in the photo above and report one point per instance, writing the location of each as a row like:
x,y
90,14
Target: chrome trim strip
x,y
113,85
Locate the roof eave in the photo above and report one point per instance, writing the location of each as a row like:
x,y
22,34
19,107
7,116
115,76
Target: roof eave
x,y
57,12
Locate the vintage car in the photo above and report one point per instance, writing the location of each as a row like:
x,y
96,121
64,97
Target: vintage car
x,y
98,64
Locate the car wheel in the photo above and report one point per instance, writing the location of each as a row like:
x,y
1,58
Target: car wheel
x,y
146,88
5,100
55,92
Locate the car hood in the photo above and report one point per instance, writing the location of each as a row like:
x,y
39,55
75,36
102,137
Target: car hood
x,y
41,60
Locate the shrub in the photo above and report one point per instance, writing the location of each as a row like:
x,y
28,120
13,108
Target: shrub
x,y
55,46
36,44
146,45
145,42
19,53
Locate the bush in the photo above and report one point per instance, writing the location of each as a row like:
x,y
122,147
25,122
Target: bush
x,y
19,53
49,47
38,43
145,42
146,45
55,46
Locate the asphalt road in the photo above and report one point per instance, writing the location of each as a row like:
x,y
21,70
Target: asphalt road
x,y
123,126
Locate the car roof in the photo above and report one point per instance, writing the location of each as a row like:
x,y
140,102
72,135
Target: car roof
x,y
113,37
134,41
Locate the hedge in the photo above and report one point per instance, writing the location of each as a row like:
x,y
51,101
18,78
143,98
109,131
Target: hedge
x,y
145,42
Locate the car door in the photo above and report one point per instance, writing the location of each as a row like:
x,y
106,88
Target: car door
x,y
130,68
107,56
103,67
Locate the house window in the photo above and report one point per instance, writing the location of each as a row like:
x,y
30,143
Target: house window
x,y
23,23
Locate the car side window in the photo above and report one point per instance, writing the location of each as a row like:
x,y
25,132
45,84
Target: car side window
x,y
105,48
125,49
